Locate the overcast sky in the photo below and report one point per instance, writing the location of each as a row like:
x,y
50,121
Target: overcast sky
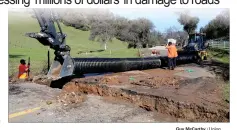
x,y
164,18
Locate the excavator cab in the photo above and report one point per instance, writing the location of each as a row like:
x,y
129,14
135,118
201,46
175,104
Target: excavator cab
x,y
197,42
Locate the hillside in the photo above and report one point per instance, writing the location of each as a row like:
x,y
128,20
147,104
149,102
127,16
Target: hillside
x,y
21,46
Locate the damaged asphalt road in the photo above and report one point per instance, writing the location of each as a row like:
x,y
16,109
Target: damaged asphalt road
x,y
33,103
30,102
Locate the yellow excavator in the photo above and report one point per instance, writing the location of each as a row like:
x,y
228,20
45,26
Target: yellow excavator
x,y
197,42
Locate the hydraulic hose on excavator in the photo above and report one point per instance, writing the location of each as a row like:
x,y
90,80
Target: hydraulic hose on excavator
x,y
64,65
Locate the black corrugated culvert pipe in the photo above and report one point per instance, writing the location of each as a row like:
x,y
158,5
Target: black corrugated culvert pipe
x,y
80,66
100,65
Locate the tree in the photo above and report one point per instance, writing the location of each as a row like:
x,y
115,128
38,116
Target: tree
x,y
83,18
138,32
189,22
102,31
146,28
175,33
219,26
104,26
122,26
172,32
155,38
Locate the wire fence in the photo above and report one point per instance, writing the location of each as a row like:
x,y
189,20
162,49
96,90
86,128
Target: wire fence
x,y
220,44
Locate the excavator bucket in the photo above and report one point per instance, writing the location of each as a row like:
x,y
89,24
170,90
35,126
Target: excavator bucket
x,y
58,70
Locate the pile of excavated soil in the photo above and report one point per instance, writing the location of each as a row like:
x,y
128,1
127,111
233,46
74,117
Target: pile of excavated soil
x,y
115,78
152,78
161,72
41,79
156,82
71,98
110,80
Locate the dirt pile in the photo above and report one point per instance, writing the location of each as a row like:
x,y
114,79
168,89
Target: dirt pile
x,y
150,79
156,82
110,80
41,79
71,98
115,79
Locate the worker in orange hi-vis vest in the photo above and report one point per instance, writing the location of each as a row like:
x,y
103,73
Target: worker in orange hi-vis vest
x,y
175,55
23,69
171,55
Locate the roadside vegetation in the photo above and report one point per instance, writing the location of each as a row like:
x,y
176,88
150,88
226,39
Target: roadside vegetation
x,y
226,91
220,55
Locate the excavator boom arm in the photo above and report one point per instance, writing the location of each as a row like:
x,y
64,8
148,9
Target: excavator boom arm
x,y
48,36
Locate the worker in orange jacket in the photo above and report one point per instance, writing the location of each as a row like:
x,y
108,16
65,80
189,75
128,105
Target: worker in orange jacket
x,y
171,55
175,55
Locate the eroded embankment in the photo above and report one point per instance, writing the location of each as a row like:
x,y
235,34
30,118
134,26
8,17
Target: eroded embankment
x,y
190,111
185,94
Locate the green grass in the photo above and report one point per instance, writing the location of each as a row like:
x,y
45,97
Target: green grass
x,y
224,57
226,91
21,46
219,55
